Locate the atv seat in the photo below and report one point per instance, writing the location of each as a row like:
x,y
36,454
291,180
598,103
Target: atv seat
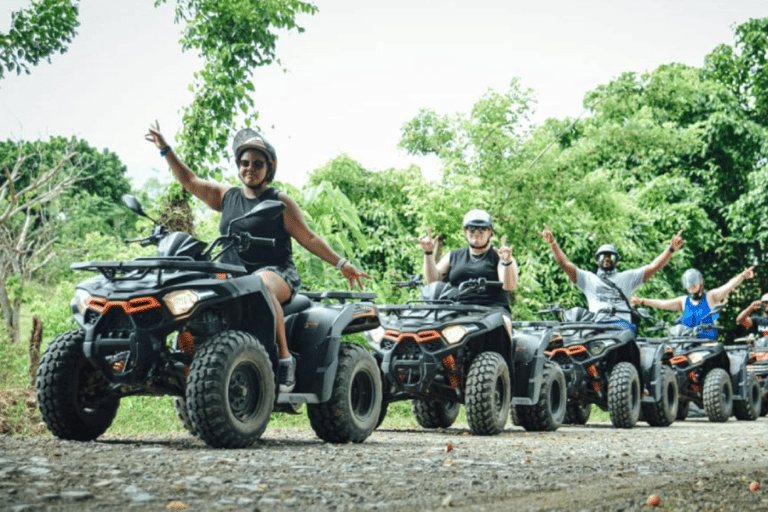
x,y
298,303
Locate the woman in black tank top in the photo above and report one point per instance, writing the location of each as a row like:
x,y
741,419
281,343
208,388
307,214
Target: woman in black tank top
x,y
478,259
257,162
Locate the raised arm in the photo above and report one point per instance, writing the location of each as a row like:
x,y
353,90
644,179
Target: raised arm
x,y
210,192
433,271
676,304
718,295
557,252
297,227
507,269
744,319
663,258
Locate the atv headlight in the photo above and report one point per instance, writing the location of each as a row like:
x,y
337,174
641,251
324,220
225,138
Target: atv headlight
x,y
181,301
454,333
696,357
80,301
597,347
375,336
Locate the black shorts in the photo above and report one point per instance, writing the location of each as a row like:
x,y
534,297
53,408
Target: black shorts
x,y
289,274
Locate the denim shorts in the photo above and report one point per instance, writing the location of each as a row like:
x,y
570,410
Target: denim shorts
x,y
289,274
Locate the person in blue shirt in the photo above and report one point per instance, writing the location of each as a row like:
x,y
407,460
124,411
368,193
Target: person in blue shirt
x,y
697,305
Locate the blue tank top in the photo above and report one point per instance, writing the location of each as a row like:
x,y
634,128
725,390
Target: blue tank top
x,y
694,315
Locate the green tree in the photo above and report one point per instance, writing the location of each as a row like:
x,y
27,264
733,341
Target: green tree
x,y
234,38
37,32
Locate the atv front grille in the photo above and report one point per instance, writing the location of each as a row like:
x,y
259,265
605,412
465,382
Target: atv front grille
x,y
141,313
405,362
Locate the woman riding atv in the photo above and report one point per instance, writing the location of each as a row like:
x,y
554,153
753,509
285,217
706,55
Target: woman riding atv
x,y
256,160
480,259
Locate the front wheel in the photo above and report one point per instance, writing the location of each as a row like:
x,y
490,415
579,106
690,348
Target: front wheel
x,y
74,398
230,390
488,394
549,411
663,411
748,408
435,413
718,395
624,395
354,409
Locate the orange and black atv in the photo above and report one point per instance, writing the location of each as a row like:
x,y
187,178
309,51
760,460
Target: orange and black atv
x,y
440,352
607,366
714,378
181,323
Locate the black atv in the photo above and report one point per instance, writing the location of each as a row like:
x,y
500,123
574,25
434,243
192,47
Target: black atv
x,y
183,324
605,365
714,378
758,365
439,353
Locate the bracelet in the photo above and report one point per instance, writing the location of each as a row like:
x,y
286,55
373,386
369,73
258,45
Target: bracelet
x,y
341,263
505,263
165,150
670,248
428,253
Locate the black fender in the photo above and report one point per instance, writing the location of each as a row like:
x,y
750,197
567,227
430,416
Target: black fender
x,y
738,362
529,342
316,335
652,353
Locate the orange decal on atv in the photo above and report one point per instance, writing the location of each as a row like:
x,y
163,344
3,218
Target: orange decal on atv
x,y
568,351
130,307
678,360
421,337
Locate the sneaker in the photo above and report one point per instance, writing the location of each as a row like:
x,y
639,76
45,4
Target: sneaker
x,y
286,374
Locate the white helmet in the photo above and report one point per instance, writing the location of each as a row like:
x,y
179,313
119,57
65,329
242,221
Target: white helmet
x,y
478,218
692,277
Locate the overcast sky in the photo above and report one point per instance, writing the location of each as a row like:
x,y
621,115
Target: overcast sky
x,y
357,74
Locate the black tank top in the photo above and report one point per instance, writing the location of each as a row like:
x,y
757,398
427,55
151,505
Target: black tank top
x,y
236,204
465,267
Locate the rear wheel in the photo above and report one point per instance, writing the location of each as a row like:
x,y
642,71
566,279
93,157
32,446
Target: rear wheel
x,y
354,409
624,395
683,408
663,411
549,411
748,408
435,413
488,394
718,395
74,398
577,414
230,390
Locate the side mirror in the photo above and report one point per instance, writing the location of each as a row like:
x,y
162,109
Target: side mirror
x,y
134,204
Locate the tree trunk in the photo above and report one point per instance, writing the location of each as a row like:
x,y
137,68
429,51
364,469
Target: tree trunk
x,y
34,349
7,309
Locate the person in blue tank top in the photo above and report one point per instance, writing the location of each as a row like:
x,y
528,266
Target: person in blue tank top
x,y
256,160
698,304
478,259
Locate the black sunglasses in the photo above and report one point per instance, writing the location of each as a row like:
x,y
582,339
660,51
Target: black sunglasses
x,y
256,164
474,229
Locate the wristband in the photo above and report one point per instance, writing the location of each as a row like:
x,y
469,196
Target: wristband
x,y
341,263
670,248
165,150
505,263
428,253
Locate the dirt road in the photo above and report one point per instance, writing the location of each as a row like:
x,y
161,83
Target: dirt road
x,y
693,465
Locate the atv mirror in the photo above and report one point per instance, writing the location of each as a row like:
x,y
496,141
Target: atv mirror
x,y
268,209
134,204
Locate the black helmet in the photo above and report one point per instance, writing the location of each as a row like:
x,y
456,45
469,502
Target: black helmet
x,y
251,139
607,248
477,218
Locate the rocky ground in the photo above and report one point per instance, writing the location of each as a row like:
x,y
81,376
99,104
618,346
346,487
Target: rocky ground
x,y
693,466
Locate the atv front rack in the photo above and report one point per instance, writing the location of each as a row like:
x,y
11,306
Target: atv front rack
x,y
140,267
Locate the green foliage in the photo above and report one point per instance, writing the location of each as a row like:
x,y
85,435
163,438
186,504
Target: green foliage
x,y
37,32
233,37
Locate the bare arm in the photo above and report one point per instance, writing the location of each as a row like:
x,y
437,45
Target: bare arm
x,y
507,268
663,258
676,304
557,252
718,295
743,318
433,271
210,192
297,227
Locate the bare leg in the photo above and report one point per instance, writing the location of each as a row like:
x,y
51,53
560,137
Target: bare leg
x,y
279,292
